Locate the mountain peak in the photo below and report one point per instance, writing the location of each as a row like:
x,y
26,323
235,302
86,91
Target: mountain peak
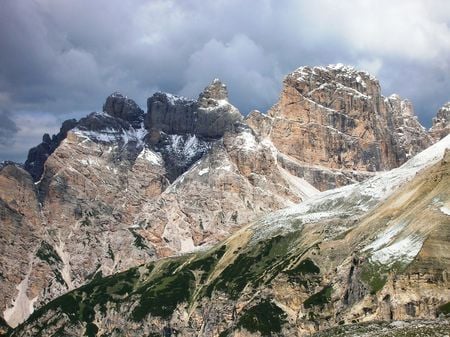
x,y
215,91
120,106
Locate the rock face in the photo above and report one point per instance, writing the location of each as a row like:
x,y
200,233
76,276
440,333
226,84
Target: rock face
x,y
238,180
121,187
352,255
336,118
21,231
441,123
124,108
39,154
209,117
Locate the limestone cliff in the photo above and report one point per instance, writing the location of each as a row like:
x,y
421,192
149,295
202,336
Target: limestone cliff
x,y
333,126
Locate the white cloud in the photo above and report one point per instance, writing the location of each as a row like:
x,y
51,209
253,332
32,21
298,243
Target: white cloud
x,y
413,29
373,66
251,74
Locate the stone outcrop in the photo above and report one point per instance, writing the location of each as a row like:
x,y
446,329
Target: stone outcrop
x,y
208,117
441,123
124,108
237,180
39,154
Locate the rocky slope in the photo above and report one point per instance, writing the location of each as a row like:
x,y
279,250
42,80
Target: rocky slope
x,y
122,187
441,123
415,328
355,254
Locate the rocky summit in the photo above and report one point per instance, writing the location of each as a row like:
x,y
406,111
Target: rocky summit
x,y
108,202
333,127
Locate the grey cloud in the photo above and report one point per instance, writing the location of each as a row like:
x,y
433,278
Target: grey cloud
x,y
252,76
8,130
62,57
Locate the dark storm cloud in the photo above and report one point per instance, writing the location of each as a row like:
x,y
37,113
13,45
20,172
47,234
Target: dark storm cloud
x,y
64,57
8,129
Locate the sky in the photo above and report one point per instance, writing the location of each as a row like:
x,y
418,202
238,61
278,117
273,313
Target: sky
x,y
61,59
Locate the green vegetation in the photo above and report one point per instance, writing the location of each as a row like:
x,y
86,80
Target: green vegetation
x,y
158,289
139,241
86,222
444,309
80,305
48,254
91,330
158,292
207,263
173,285
373,276
266,260
305,273
225,333
307,266
58,276
265,317
320,298
110,252
161,296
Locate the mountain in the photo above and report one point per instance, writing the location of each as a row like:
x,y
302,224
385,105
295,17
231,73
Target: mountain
x,y
333,127
355,254
123,187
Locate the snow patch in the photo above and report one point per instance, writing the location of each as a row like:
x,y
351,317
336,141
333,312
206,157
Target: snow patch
x,y
385,237
174,99
221,104
247,141
188,147
203,171
445,210
22,306
225,168
150,156
110,135
403,251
